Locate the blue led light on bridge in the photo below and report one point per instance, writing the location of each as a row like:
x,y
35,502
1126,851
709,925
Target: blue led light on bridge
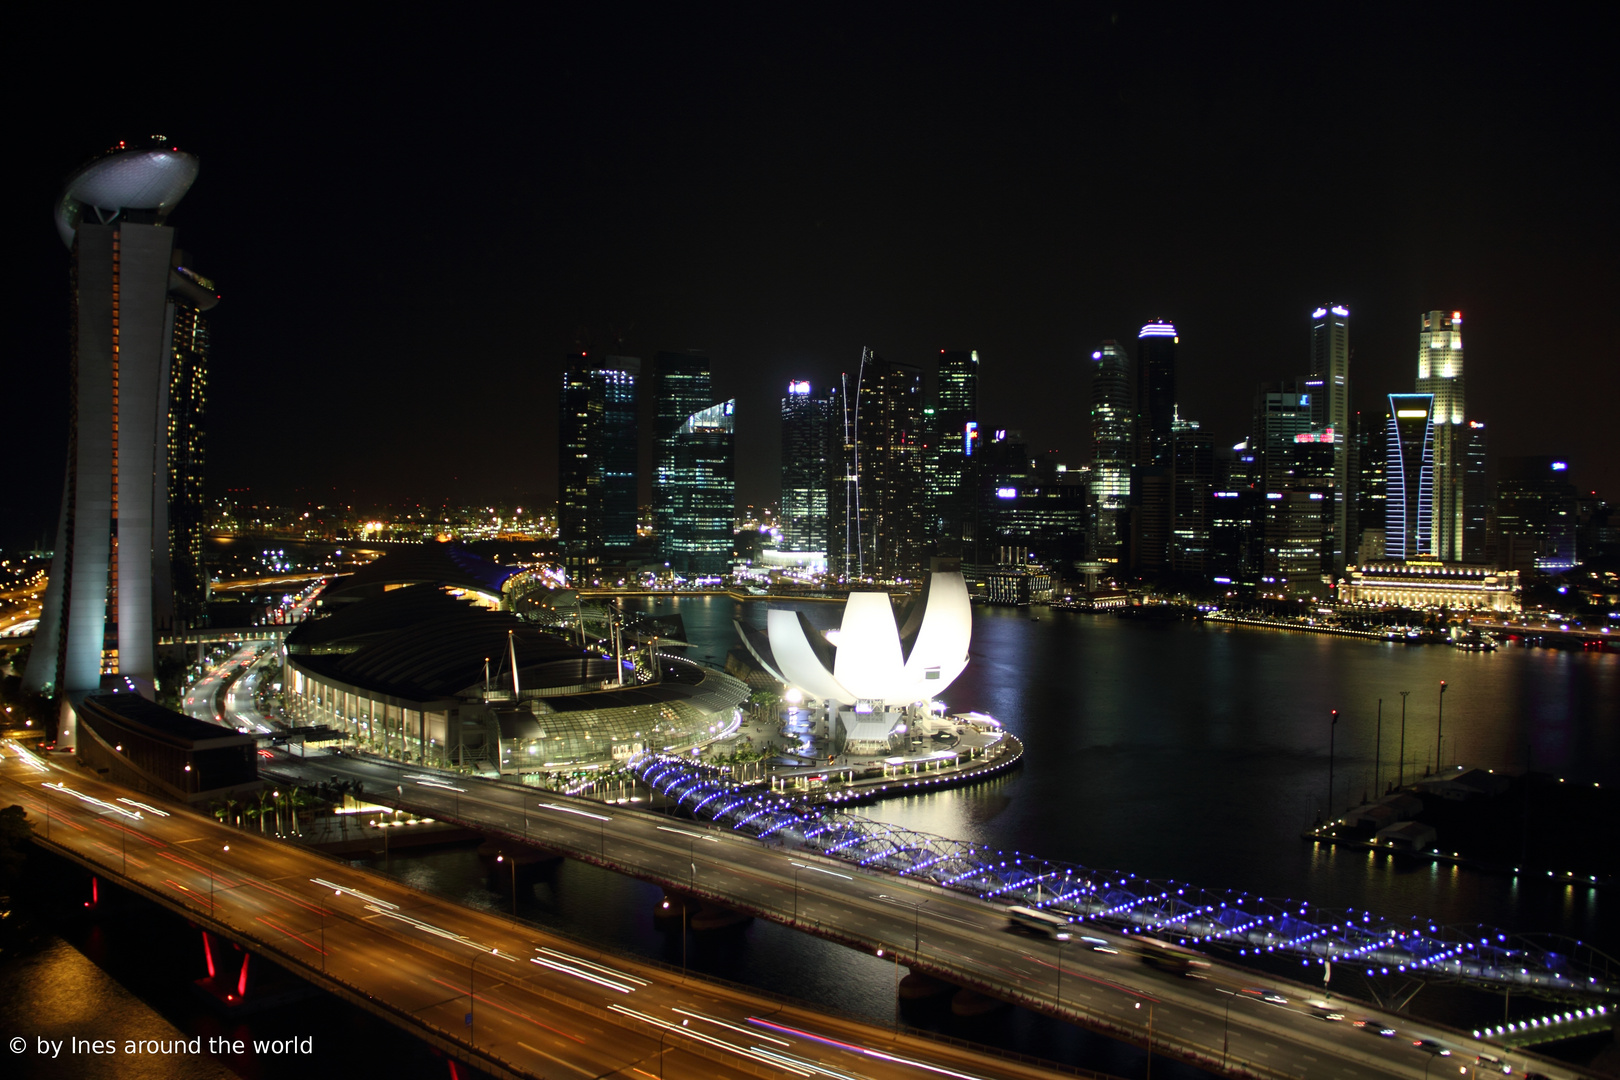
x,y
1186,913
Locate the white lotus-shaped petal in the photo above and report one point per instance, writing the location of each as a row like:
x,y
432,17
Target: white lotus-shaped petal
x,y
871,662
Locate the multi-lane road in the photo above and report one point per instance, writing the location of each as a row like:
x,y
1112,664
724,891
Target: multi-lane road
x,y
1222,1016
523,1002
224,694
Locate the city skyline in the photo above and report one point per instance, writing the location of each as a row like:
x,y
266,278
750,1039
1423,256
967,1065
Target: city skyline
x,y
719,215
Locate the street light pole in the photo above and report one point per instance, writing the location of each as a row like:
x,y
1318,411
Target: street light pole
x,y
1400,776
1333,729
1150,1042
1226,1029
212,865
1060,976
1440,727
1378,749
502,858
916,930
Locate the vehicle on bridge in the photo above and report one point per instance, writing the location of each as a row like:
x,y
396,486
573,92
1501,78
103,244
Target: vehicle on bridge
x,y
1169,958
1040,922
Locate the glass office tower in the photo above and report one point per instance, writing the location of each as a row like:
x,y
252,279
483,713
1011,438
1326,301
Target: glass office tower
x,y
1409,466
1440,374
1330,366
806,420
1111,447
703,494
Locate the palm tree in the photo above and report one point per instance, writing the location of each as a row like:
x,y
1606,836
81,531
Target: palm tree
x,y
298,799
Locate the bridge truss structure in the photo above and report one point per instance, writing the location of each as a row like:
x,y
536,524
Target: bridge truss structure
x,y
1163,909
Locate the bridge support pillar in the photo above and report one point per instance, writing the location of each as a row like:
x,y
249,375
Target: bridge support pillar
x,y
918,987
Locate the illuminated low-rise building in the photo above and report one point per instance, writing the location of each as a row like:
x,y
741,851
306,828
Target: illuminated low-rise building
x,y
417,658
1428,584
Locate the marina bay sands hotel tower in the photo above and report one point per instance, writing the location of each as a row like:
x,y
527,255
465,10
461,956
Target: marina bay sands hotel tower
x,y
139,346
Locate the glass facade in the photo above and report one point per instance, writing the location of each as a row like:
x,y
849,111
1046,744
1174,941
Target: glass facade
x,y
1409,477
955,417
877,503
1440,374
187,457
1191,511
1330,366
1155,392
596,459
1372,445
1111,444
580,467
621,446
701,492
1536,514
681,387
806,433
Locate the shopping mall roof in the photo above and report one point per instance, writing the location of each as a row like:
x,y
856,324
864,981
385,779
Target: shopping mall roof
x,y
433,563
421,643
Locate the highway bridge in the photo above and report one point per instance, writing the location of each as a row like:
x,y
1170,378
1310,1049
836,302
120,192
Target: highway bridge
x,y
1180,912
504,997
1229,1020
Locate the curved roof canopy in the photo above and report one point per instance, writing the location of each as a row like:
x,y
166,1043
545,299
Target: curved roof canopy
x,y
125,179
421,644
876,660
434,562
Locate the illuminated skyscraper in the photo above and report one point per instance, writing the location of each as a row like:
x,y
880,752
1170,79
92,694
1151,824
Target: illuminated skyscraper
x,y
1155,392
580,461
806,431
956,421
681,387
1191,501
131,301
1409,477
185,452
621,447
1536,515
1295,475
598,446
1111,445
1371,445
1440,373
876,505
1330,366
703,492
1475,493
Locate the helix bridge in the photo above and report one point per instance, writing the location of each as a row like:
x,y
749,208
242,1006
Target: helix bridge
x,y
1235,923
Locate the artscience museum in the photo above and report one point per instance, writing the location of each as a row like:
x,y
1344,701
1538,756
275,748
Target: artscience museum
x,y
879,662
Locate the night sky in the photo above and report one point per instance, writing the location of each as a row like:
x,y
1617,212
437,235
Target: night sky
x,y
415,223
